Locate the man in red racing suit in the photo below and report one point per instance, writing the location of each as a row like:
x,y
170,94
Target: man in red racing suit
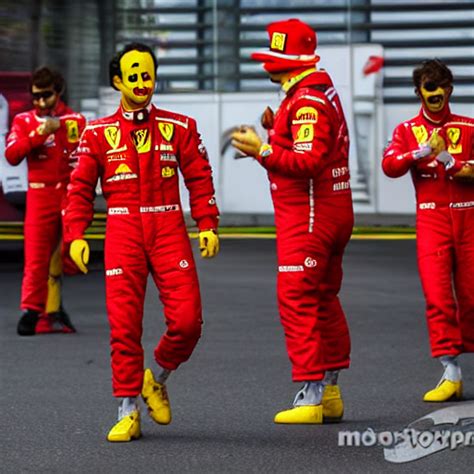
x,y
307,162
436,147
137,153
46,136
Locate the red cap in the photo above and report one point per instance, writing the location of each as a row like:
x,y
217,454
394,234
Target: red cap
x,y
292,46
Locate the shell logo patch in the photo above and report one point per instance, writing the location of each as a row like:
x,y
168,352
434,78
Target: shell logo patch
x,y
420,133
166,130
141,140
112,135
122,173
168,172
123,168
278,41
454,134
305,133
72,131
306,115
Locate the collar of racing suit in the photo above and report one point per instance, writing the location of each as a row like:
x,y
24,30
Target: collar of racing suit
x,y
136,116
318,79
436,117
295,79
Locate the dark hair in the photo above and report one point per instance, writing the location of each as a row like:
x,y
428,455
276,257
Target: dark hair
x,y
114,65
435,69
45,77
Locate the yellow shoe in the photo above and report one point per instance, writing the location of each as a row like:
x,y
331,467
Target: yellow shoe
x,y
305,414
156,398
333,406
126,429
446,390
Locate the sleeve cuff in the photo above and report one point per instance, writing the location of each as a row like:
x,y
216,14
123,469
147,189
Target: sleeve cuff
x,y
208,223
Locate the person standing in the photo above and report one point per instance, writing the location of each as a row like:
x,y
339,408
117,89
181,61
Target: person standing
x,y
47,137
307,162
436,146
137,153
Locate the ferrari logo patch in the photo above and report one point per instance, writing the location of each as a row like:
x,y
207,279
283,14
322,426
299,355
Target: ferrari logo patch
x,y
420,133
141,140
306,115
168,172
454,134
72,131
166,130
112,135
305,133
278,41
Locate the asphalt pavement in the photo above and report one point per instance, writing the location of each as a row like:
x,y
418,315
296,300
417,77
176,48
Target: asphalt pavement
x,y
56,401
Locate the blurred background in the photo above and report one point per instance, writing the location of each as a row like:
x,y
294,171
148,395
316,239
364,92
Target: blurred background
x,y
205,71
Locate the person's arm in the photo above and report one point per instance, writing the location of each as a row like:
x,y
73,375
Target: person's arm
x,y
197,172
20,142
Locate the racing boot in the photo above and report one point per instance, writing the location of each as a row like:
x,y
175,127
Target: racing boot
x,y
55,323
155,396
307,406
333,406
450,385
128,425
27,323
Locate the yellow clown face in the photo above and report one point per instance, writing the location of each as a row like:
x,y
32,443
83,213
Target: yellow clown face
x,y
434,96
137,83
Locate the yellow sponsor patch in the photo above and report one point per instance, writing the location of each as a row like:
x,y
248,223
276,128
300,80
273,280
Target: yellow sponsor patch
x,y
278,41
123,168
166,130
306,115
421,134
112,135
141,140
72,131
305,133
168,172
454,134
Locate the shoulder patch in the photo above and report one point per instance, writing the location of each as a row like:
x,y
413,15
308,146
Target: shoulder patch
x,y
305,115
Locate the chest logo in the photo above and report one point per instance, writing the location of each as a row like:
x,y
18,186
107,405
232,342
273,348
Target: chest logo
x,y
112,135
454,135
278,41
141,140
168,172
420,133
166,130
72,131
305,133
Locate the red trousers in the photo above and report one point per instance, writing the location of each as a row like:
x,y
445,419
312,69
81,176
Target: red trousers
x,y
309,280
136,245
42,235
445,245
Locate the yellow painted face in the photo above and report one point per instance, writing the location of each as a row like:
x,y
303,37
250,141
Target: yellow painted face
x,y
433,97
138,79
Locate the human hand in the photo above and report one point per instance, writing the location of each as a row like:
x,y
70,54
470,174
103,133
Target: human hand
x,y
208,243
50,125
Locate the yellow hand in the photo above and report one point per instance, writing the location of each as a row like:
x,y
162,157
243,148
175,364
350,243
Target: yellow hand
x,y
208,243
247,141
79,253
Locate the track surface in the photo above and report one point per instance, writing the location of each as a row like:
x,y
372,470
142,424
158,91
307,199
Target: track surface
x,y
56,401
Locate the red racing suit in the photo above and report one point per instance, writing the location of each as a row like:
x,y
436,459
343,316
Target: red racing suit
x,y
309,181
445,227
138,167
49,168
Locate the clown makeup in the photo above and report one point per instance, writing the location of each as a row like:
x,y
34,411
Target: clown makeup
x,y
434,96
137,83
44,100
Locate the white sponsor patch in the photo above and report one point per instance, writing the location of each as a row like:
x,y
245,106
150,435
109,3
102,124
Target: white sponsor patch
x,y
167,208
341,186
114,272
427,205
121,177
117,211
212,201
273,187
310,262
291,268
337,172
461,205
168,157
184,264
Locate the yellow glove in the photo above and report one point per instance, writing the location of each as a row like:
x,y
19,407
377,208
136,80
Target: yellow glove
x,y
247,141
79,253
208,243
436,143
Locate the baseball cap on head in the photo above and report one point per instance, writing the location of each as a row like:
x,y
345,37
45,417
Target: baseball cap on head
x,y
292,46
